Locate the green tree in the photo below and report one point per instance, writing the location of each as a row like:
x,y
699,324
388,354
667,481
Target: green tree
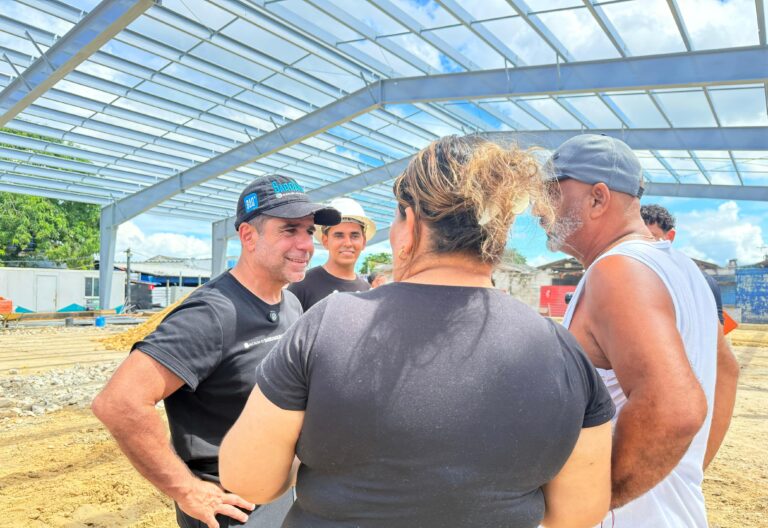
x,y
512,256
375,258
34,230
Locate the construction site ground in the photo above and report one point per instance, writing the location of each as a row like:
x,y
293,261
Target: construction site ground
x,y
62,468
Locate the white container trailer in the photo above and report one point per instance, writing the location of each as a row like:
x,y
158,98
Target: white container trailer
x,y
52,290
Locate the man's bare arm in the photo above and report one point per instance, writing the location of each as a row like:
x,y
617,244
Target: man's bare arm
x,y
725,396
632,319
126,406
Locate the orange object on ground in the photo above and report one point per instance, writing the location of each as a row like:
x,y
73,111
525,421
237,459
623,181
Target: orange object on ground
x,y
728,323
6,306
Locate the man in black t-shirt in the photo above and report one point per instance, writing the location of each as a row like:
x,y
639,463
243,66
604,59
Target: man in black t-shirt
x,y
202,360
344,243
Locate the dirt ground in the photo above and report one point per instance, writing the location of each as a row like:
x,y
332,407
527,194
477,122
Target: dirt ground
x,y
64,470
33,350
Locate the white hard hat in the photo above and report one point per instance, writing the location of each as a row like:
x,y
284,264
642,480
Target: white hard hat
x,y
351,211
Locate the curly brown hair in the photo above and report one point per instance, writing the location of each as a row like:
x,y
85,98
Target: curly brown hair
x,y
468,191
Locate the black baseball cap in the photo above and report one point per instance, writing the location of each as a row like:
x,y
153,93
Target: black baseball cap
x,y
281,197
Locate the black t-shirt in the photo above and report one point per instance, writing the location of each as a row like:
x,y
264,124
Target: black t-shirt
x,y
715,287
319,284
214,341
430,406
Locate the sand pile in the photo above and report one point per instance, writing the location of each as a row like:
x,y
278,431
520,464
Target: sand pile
x,y
124,340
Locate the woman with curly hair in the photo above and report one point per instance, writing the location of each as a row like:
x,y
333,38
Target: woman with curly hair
x,y
436,400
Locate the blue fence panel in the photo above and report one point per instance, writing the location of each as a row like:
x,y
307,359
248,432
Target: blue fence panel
x,y
728,292
752,294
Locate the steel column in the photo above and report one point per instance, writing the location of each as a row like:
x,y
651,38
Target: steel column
x,y
108,240
219,247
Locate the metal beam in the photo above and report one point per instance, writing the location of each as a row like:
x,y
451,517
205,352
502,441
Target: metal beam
x,y
337,112
104,22
380,236
468,21
406,20
710,67
219,246
720,67
718,192
733,138
607,27
680,22
760,11
540,28
50,193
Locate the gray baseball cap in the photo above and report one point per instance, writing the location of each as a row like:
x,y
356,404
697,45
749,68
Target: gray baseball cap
x,y
592,158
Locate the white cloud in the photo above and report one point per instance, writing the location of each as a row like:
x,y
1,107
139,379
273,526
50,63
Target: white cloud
x,y
580,34
693,252
129,235
721,235
464,41
715,23
538,260
646,27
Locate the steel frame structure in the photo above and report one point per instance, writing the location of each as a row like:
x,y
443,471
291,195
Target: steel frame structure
x,y
143,107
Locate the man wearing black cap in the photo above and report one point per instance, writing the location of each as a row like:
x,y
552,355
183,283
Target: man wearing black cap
x,y
202,359
643,314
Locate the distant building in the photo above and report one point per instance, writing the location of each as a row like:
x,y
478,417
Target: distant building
x,y
520,281
56,290
167,279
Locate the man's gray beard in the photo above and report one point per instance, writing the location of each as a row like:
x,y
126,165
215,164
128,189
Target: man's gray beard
x,y
564,227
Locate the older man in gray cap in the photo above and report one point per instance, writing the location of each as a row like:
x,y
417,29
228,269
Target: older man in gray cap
x,y
643,314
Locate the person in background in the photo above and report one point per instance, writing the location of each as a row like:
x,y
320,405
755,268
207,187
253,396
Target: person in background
x,y
661,224
376,279
344,243
201,360
645,316
436,401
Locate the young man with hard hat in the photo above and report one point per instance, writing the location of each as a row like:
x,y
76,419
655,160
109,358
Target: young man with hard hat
x,y
344,242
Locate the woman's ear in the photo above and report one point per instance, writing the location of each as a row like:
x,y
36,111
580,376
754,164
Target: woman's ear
x,y
409,233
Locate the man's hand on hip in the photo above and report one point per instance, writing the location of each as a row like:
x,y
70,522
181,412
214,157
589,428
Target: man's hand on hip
x,y
204,500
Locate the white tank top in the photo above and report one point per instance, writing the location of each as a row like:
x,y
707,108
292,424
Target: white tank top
x,y
677,501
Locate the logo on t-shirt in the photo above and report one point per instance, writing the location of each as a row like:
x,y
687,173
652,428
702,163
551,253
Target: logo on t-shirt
x,y
251,202
251,344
